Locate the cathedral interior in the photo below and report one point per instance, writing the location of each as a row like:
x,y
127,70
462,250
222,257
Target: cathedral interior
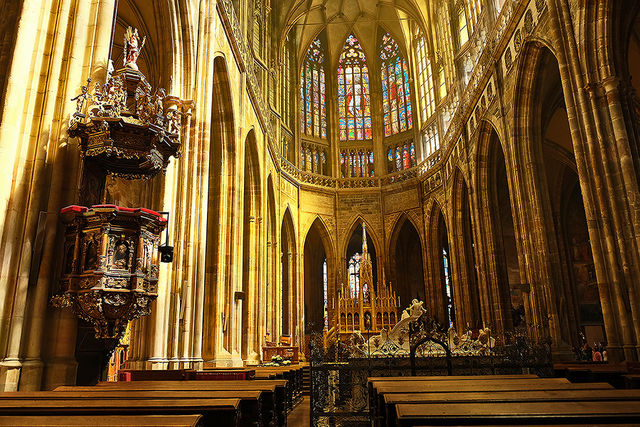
x,y
205,184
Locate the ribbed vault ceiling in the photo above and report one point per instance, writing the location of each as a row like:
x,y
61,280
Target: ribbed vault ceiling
x,y
308,18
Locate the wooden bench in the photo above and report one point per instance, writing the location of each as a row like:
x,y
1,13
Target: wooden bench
x,y
517,413
596,371
250,401
215,412
391,400
293,374
380,389
381,380
273,400
101,421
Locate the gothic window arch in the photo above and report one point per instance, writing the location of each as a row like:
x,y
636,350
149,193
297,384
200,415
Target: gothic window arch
x,y
354,275
287,54
325,287
354,110
396,92
313,114
463,30
446,275
401,157
425,77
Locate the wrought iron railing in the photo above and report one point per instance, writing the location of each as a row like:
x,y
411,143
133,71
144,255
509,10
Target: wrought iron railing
x,y
339,371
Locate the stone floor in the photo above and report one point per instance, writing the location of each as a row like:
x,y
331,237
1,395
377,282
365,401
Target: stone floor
x,y
300,414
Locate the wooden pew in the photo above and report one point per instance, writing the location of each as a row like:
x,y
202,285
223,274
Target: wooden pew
x,y
215,412
391,400
101,421
292,373
596,372
273,400
379,389
448,384
250,401
380,380
518,413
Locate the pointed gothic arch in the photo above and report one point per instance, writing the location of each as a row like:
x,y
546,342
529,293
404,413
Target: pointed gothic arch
x,y
440,288
251,254
464,253
406,263
218,299
541,121
499,260
319,266
352,244
271,317
288,275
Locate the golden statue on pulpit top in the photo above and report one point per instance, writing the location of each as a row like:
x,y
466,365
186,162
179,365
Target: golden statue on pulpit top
x,y
132,47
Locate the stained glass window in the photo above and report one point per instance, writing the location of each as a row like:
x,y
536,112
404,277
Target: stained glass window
x,y
325,287
425,78
462,24
313,114
447,288
356,164
354,275
396,94
354,110
406,160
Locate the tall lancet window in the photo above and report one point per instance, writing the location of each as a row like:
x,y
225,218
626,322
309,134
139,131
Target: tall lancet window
x,y
396,94
313,117
354,108
425,77
354,275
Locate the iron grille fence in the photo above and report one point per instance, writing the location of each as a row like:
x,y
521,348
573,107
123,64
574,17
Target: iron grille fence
x,y
339,372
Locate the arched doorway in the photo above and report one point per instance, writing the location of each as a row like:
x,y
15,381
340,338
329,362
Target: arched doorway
x,y
406,267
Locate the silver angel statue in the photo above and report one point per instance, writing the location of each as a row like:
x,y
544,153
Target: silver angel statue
x,y
132,47
80,100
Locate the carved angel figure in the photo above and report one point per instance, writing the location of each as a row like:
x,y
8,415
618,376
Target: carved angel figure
x,y
173,121
99,101
132,47
82,97
158,106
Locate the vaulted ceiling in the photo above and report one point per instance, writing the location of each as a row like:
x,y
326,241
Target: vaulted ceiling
x,y
306,19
